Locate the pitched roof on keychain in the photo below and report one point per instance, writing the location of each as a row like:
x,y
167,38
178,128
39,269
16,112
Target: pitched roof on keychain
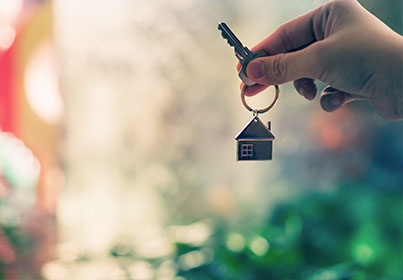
x,y
255,129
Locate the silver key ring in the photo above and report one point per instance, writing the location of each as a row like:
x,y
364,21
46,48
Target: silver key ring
x,y
261,111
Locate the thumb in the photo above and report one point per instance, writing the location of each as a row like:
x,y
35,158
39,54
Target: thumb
x,y
285,67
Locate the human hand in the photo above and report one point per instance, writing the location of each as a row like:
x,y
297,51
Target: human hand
x,y
341,44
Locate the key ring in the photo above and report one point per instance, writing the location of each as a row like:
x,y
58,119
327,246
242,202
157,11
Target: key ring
x,y
264,110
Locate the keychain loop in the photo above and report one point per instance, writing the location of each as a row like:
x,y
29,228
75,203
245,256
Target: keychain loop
x,y
264,110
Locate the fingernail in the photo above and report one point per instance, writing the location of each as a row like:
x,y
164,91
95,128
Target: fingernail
x,y
301,90
332,102
255,69
335,101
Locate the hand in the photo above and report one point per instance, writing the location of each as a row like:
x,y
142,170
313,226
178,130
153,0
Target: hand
x,y
342,45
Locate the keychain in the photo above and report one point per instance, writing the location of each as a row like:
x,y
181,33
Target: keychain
x,y
255,140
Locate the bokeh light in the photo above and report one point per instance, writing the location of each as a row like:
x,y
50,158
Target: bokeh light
x,y
7,37
41,85
10,10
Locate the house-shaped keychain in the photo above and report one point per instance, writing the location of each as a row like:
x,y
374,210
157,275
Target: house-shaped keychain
x,y
255,141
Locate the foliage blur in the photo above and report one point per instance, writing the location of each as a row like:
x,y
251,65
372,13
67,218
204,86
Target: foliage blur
x,y
351,233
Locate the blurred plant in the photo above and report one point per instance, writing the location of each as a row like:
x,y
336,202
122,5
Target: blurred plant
x,y
19,174
353,233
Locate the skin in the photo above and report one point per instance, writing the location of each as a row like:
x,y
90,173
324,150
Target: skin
x,y
341,44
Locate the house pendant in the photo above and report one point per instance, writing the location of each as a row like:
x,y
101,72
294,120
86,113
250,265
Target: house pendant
x,y
255,141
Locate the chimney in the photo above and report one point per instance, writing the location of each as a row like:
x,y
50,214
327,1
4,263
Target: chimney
x,y
269,125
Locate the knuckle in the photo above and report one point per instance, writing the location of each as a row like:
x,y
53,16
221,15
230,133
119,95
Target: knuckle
x,y
337,5
331,14
320,23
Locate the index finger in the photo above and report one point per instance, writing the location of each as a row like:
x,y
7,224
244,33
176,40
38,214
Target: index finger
x,y
293,35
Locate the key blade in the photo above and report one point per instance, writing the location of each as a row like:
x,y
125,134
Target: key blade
x,y
232,40
229,35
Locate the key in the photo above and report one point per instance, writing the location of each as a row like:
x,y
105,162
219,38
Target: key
x,y
243,54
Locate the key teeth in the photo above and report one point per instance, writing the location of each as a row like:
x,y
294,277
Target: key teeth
x,y
225,37
224,34
232,40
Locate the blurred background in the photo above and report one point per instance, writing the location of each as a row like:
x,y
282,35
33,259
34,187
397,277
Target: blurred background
x,y
117,151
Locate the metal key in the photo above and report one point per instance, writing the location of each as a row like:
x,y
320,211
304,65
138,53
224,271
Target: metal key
x,y
243,54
